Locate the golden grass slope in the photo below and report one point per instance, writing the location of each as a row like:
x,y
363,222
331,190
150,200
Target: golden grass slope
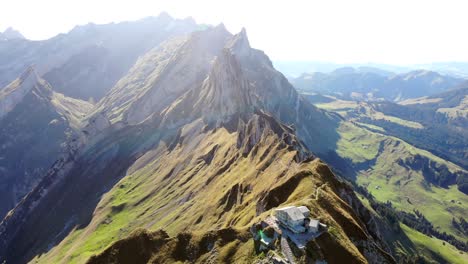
x,y
213,179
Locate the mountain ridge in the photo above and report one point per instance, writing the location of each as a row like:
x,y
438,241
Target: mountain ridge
x,y
91,57
247,159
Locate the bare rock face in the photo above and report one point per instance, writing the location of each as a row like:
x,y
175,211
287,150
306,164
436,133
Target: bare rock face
x,y
11,95
212,75
225,90
259,126
190,63
96,124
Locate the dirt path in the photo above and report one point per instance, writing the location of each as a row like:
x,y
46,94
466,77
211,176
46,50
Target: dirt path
x,y
317,191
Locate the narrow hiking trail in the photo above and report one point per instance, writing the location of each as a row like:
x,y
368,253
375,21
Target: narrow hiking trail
x,y
317,191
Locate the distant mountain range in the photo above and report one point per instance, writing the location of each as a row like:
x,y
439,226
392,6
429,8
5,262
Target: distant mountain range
x,y
374,84
87,62
293,69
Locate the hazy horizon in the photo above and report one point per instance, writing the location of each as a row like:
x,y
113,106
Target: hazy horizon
x,y
359,32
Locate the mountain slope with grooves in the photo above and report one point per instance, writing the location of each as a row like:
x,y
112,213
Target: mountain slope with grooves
x,y
173,165
150,85
150,88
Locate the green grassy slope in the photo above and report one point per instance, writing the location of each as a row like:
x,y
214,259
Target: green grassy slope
x,y
433,249
407,189
412,245
376,161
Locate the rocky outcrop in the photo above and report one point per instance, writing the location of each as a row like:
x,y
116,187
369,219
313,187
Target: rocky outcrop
x,y
96,125
260,126
14,93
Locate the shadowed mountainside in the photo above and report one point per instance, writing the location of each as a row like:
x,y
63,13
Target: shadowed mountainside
x,y
37,127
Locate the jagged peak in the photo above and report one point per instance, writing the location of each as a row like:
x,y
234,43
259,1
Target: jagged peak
x,y
190,56
25,82
220,26
220,30
243,32
224,92
30,79
236,83
239,43
226,88
164,15
14,93
11,33
30,72
213,35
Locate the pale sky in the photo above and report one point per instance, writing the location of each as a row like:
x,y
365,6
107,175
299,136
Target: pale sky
x,y
357,31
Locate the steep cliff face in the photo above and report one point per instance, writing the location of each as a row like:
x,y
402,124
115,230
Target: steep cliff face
x,y
14,93
152,85
200,136
37,126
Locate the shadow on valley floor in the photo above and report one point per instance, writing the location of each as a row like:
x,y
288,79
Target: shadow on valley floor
x,y
346,167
